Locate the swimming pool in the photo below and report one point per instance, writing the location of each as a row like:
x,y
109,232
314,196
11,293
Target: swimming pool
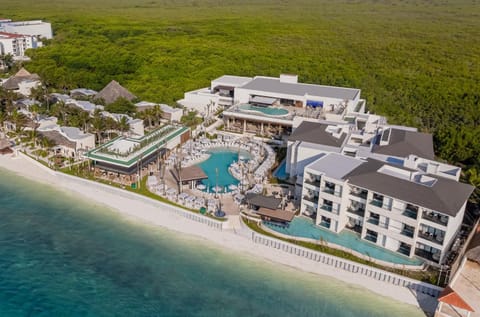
x,y
281,171
305,228
219,160
268,111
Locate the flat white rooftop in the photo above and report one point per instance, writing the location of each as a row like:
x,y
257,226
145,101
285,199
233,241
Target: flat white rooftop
x,y
232,80
122,146
335,165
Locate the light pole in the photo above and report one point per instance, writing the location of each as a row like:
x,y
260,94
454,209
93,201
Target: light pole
x,y
216,182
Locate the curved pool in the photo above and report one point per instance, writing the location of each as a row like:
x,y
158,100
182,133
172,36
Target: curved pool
x,y
220,160
267,111
305,228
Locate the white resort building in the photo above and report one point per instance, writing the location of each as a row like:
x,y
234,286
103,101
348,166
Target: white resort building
x,y
220,94
270,105
127,156
36,28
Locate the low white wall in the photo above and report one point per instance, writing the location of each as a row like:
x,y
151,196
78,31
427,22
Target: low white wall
x,y
343,264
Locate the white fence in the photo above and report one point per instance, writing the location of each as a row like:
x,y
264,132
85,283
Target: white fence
x,y
343,264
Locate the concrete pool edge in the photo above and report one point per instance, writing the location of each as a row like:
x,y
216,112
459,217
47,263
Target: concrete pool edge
x,y
345,249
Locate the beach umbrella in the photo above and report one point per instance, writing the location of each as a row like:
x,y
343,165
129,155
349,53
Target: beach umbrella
x,y
217,189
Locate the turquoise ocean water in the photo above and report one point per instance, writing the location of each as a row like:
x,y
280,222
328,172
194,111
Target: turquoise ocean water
x,y
62,256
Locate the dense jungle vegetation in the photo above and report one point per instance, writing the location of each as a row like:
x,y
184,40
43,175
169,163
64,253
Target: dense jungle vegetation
x,y
416,61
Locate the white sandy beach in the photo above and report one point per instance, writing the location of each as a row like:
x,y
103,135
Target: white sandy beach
x,y
226,239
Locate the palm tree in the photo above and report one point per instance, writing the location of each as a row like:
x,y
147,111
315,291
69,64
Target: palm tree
x,y
98,124
84,118
6,61
19,120
59,110
109,125
157,113
47,144
123,125
147,116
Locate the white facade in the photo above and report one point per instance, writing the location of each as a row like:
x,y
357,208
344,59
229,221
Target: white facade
x,y
81,142
16,44
220,94
403,226
287,91
169,113
25,87
35,28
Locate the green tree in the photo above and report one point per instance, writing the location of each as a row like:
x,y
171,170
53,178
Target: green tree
x,y
157,114
98,124
123,125
121,105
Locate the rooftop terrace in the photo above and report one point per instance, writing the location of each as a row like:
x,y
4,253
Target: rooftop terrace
x,y
126,151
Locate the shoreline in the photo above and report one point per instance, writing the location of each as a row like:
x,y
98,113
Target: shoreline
x,y
227,239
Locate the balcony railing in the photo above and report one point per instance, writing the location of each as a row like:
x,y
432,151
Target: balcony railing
x,y
361,194
404,250
374,221
357,211
327,190
407,232
325,224
442,220
371,238
326,207
427,255
313,199
313,182
376,202
410,213
435,238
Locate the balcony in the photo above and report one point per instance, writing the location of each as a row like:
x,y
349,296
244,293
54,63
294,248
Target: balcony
x,y
434,257
377,203
357,211
325,224
326,207
315,183
437,218
435,238
359,193
313,199
328,190
405,250
407,232
410,213
374,221
371,238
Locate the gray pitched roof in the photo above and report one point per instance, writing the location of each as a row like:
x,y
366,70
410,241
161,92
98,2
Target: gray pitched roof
x,y
300,89
314,132
445,195
57,138
113,91
403,143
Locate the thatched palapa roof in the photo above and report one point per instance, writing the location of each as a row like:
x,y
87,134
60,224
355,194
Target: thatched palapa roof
x,y
21,75
113,91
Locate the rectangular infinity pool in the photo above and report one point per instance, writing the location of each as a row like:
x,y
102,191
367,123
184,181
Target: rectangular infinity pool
x,y
305,228
268,111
